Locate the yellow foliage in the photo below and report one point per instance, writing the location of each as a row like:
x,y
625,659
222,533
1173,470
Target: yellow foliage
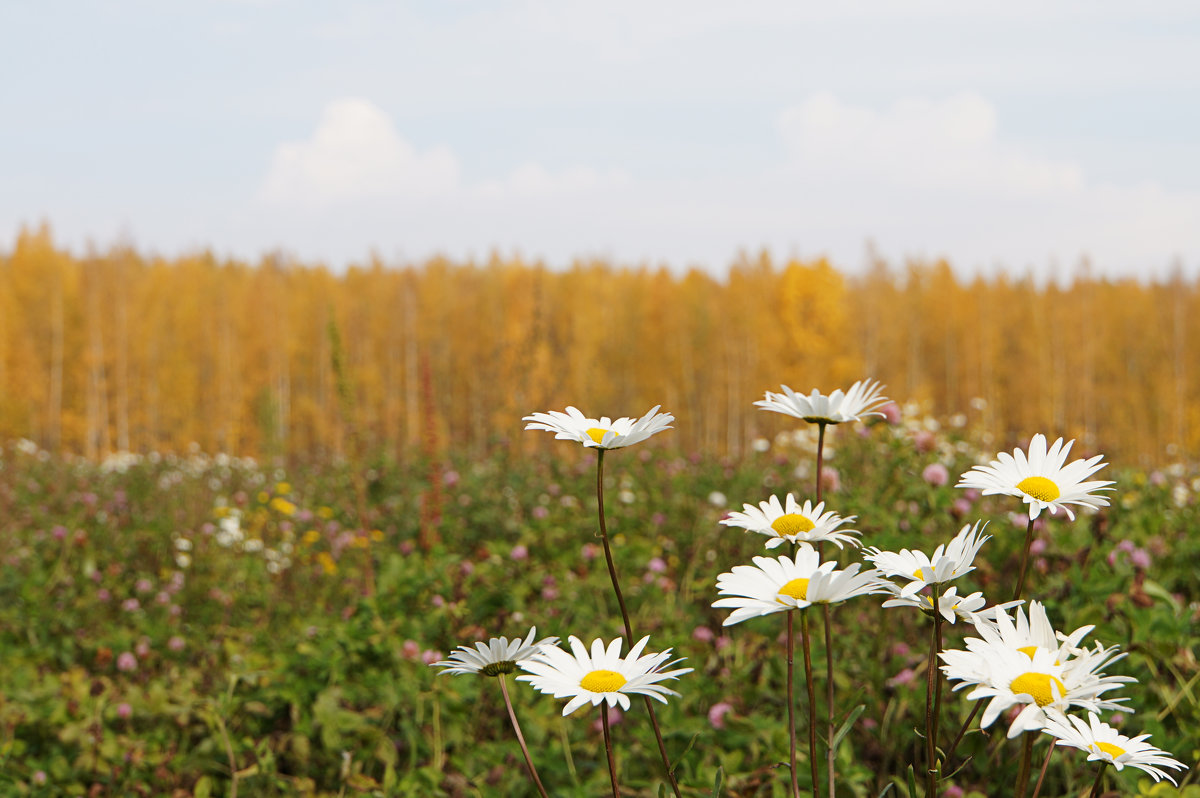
x,y
117,351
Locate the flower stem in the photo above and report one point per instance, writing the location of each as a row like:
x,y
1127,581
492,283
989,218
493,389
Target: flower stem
x,y
612,762
820,457
1023,776
830,764
521,738
612,568
1037,788
933,697
963,729
1098,785
791,705
812,702
612,575
1024,560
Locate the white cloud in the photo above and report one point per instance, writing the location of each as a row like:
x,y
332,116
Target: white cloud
x,y
917,143
356,154
921,178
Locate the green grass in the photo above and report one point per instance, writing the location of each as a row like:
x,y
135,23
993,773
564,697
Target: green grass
x,y
299,666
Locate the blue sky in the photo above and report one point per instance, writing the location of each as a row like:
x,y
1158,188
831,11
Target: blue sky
x,y
1022,135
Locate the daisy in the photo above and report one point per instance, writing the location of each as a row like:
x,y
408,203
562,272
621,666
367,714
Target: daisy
x,y
601,675
499,655
1105,744
952,606
1039,683
781,584
792,522
947,562
1040,479
1026,635
863,399
601,433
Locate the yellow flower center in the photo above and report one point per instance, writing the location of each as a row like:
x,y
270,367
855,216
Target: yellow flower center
x,y
1038,686
597,434
602,682
1040,488
792,524
1108,748
1028,651
797,589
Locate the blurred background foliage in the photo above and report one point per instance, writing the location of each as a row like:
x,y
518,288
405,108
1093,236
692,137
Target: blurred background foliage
x,y
208,625
124,351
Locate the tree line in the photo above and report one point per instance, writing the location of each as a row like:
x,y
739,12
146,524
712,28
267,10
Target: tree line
x,y
122,351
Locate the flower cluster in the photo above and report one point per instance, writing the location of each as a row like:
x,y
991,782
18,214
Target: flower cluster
x,y
1025,670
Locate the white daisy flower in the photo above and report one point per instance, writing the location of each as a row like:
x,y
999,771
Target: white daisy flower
x,y
601,675
1040,479
1019,633
973,608
947,562
781,584
793,523
1041,682
1027,634
601,433
863,399
498,655
1105,744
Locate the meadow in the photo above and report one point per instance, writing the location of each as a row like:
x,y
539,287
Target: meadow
x,y
207,625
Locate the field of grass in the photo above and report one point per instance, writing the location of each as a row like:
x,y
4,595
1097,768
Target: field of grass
x,y
209,626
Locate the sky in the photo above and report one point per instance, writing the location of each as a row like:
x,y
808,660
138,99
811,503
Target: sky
x,y
1019,136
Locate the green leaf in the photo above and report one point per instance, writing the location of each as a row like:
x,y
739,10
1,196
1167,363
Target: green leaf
x,y
912,783
885,790
846,726
686,750
718,782
1156,590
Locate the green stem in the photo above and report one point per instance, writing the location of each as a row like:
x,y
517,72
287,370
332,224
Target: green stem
x,y
612,568
820,457
1037,788
812,703
1097,786
933,697
791,705
521,738
1023,776
612,575
963,729
612,762
1024,560
830,754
